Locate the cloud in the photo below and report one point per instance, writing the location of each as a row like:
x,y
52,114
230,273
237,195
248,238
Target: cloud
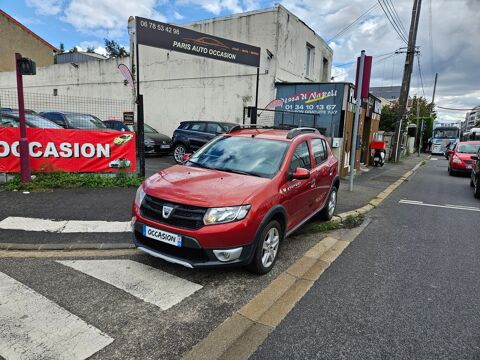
x,y
216,7
46,7
178,16
108,18
97,47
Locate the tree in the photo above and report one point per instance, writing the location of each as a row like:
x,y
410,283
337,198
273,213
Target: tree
x,y
90,49
114,50
62,48
73,50
388,117
389,114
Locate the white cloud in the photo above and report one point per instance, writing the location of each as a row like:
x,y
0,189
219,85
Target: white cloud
x,y
217,6
108,17
46,7
178,16
97,47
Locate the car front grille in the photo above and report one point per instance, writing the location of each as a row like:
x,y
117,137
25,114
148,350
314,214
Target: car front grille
x,y
182,216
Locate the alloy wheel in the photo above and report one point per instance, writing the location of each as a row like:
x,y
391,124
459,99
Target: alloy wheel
x,y
178,153
332,203
270,247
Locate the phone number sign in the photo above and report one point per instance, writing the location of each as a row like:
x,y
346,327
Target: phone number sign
x,y
175,38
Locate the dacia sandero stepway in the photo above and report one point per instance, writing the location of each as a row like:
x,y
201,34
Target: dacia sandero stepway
x,y
234,201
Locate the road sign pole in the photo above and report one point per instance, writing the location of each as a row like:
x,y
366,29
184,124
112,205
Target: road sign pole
x,y
140,119
353,151
25,170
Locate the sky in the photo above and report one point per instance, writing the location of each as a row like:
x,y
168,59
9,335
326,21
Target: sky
x,y
447,35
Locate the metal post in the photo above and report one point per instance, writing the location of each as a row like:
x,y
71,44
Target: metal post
x,y
253,118
140,120
25,171
421,137
353,151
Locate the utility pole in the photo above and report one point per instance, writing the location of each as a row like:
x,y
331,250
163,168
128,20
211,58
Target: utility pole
x,y
353,150
407,74
434,89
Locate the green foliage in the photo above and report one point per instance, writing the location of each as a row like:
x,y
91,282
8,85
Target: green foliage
x,y
73,50
352,221
114,50
62,48
90,49
388,118
65,180
315,227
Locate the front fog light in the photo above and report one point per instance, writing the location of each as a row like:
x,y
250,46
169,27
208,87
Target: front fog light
x,y
228,254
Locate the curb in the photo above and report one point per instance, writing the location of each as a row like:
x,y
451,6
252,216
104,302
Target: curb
x,y
239,336
75,246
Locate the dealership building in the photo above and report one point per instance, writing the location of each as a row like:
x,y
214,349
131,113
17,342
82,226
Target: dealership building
x,y
178,86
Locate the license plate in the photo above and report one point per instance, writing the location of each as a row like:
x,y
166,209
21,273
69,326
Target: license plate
x,y
164,146
163,236
469,167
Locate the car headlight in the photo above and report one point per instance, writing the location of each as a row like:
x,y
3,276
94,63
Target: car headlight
x,y
139,196
225,214
457,160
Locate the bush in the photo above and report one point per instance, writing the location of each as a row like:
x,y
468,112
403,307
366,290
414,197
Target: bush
x,y
66,180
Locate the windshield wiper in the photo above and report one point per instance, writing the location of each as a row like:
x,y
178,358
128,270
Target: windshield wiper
x,y
199,165
237,172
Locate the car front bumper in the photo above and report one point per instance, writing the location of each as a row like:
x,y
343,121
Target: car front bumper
x,y
191,254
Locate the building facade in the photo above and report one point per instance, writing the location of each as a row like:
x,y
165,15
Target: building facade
x,y
17,38
177,86
471,119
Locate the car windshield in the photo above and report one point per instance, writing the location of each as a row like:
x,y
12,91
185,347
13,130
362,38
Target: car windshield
x,y
85,121
249,156
149,129
468,148
445,133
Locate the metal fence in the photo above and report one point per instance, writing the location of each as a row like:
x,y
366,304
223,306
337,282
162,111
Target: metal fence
x,y
280,118
76,106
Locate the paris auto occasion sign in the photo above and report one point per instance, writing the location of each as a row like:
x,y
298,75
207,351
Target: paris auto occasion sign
x,y
69,150
171,37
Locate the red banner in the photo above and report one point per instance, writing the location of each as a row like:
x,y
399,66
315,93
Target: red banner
x,y
69,150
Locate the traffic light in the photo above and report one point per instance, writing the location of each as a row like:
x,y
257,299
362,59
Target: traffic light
x,y
27,66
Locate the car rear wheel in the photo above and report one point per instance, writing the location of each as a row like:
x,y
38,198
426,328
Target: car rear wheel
x,y
178,152
330,207
267,248
472,184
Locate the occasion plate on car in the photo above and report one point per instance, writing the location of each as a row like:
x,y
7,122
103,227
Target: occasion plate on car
x,y
163,236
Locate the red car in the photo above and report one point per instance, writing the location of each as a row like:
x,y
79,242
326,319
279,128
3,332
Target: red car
x,y
459,160
236,199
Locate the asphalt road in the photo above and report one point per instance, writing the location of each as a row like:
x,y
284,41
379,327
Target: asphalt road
x,y
407,288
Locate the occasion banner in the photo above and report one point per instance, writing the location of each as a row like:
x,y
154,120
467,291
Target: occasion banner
x,y
69,150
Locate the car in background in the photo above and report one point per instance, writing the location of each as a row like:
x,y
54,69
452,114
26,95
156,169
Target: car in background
x,y
12,110
475,174
460,160
192,135
234,201
155,142
75,120
121,163
11,119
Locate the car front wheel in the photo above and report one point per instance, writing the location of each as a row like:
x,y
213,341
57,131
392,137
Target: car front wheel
x,y
267,248
476,188
178,152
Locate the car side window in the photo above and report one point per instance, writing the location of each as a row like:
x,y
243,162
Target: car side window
x,y
197,126
214,128
319,148
300,158
56,118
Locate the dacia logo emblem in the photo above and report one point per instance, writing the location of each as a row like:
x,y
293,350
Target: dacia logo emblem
x,y
167,211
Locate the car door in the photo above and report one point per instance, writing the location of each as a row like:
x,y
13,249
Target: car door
x,y
321,171
196,135
297,193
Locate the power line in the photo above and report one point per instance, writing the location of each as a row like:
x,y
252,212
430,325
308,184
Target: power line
x,y
345,29
392,22
395,13
420,72
453,109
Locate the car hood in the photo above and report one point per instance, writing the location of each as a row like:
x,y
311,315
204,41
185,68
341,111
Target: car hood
x,y
158,138
202,187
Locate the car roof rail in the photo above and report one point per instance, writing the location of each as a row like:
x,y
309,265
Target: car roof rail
x,y
301,130
248,126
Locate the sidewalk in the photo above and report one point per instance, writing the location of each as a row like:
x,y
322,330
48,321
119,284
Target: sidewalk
x,y
113,206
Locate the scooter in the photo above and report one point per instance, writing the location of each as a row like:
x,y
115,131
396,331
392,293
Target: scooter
x,y
379,152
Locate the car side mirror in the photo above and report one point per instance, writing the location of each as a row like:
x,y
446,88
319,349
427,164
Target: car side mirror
x,y
450,152
474,157
301,174
186,157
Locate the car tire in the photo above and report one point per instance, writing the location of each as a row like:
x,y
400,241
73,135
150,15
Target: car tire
x,y
476,188
268,245
330,206
450,172
178,151
472,184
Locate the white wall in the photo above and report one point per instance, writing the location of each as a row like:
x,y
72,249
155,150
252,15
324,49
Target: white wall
x,y
180,87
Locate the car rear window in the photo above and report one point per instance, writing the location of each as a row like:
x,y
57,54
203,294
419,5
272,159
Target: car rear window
x,y
468,148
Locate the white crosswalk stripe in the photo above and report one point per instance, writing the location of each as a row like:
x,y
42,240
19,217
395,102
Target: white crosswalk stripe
x,y
145,282
33,327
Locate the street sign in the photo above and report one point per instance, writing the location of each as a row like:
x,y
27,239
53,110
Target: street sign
x,y
128,118
175,38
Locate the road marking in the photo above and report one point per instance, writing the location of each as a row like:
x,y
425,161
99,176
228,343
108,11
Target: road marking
x,y
455,207
433,159
64,226
33,327
145,282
